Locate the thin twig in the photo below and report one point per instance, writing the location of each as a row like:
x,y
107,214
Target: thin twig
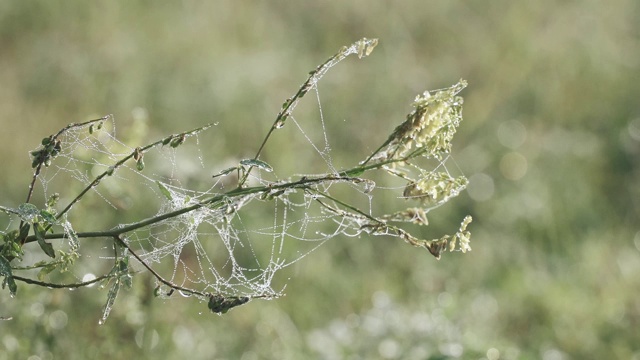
x,y
311,83
53,138
61,286
168,283
121,162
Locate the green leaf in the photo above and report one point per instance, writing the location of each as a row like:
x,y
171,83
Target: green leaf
x,y
164,190
355,172
288,101
48,217
11,248
257,163
24,231
46,247
5,270
120,273
225,171
111,299
11,236
45,270
13,240
178,140
16,251
127,280
123,265
124,276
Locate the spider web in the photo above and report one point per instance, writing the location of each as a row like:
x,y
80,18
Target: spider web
x,y
228,248
220,240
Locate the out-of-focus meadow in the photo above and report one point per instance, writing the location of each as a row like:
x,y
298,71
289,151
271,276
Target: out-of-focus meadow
x,y
550,142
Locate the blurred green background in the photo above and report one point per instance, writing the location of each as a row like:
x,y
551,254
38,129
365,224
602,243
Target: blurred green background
x,y
550,142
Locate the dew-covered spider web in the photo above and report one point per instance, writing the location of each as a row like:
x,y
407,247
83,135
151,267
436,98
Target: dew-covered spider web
x,y
229,238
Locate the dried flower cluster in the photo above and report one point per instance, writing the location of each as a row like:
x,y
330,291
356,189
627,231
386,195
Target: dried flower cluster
x,y
429,128
427,132
435,188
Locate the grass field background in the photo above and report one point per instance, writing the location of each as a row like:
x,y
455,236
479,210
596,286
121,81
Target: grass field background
x,y
550,142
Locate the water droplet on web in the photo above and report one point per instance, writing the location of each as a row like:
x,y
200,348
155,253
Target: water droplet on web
x,y
184,294
279,124
369,186
100,322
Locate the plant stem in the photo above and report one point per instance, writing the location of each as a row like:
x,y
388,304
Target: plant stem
x,y
118,164
349,175
61,286
311,82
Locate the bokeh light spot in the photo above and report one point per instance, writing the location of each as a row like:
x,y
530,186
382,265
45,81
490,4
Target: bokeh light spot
x,y
89,277
37,309
513,166
634,129
389,349
481,187
512,134
58,319
493,354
